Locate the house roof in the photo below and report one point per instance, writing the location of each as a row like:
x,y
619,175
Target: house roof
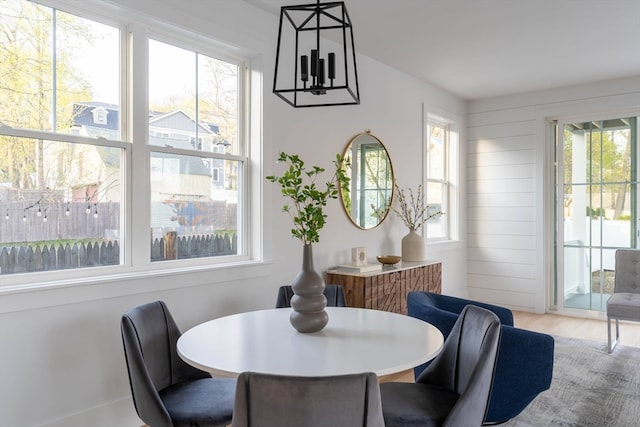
x,y
178,120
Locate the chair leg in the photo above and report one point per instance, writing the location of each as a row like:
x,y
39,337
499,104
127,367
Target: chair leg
x,y
612,345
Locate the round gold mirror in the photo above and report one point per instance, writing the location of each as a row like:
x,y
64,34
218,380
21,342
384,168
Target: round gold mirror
x,y
368,199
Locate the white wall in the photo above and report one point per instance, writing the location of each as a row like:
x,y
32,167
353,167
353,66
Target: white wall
x,y
61,361
509,187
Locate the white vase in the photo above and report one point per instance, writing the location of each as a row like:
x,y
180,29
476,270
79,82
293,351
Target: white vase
x,y
413,247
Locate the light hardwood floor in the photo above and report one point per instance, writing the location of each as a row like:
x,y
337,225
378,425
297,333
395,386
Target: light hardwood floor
x,y
589,329
555,324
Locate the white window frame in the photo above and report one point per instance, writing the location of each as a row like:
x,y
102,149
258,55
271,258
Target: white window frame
x,y
135,29
451,201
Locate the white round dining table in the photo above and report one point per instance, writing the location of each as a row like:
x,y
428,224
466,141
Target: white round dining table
x,y
355,340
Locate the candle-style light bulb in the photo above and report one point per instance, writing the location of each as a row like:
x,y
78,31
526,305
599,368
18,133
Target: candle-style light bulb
x,y
304,68
321,72
332,67
314,62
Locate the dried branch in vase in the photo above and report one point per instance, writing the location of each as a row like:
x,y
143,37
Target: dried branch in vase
x,y
412,210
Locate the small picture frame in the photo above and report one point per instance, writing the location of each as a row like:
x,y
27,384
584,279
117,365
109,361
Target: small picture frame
x,y
359,256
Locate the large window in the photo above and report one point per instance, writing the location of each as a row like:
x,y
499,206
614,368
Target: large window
x,y
439,154
68,144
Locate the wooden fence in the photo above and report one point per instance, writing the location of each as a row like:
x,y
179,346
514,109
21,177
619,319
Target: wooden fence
x,y
172,247
26,222
25,259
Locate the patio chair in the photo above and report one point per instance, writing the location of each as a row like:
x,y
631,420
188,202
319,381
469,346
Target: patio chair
x,y
624,304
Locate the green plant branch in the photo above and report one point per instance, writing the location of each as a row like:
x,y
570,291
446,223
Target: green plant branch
x,y
307,200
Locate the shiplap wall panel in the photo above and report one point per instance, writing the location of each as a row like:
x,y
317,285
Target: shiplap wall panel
x,y
506,285
502,172
499,116
501,283
517,185
503,130
519,142
512,157
518,228
501,241
491,255
501,202
500,213
514,294
502,269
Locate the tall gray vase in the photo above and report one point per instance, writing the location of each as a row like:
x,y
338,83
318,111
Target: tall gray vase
x,y
308,301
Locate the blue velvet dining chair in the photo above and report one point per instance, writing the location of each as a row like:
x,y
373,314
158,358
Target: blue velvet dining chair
x,y
525,358
167,392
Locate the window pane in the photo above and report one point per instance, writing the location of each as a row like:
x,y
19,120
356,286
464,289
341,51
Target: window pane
x,y
186,88
436,178
435,203
436,151
193,214
51,63
218,101
60,205
26,65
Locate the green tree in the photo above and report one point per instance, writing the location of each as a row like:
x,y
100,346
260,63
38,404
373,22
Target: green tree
x,y
28,88
608,162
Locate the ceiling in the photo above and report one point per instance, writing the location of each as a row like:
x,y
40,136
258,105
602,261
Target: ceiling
x,y
486,48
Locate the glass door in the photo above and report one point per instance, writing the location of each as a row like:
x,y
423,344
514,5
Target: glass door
x,y
597,207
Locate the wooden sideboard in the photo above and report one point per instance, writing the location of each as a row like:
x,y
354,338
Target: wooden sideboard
x,y
387,289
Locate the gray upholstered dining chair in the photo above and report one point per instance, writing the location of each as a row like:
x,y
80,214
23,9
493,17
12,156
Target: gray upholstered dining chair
x,y
333,293
266,400
454,389
167,392
624,304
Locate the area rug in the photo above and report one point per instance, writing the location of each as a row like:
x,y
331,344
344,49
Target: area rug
x,y
590,388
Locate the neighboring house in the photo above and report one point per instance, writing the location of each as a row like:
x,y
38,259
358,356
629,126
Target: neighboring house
x,y
176,129
180,184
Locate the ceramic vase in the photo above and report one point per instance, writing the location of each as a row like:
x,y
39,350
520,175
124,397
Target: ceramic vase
x,y
308,301
413,247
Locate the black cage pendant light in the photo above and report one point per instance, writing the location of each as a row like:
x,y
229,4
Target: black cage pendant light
x,y
315,57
